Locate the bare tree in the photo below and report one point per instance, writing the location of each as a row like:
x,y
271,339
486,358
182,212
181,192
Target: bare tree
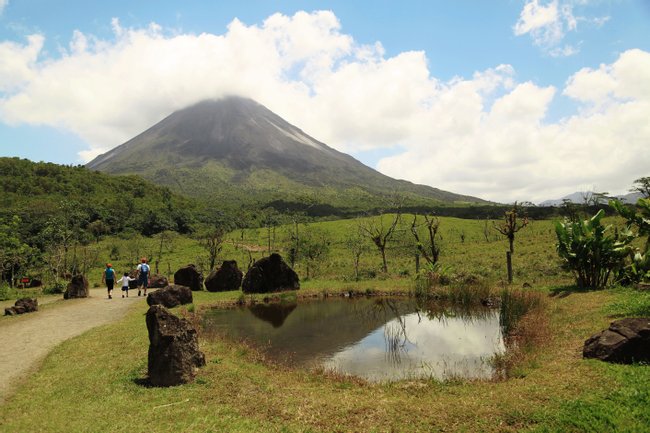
x,y
509,227
511,224
380,233
212,242
356,244
428,247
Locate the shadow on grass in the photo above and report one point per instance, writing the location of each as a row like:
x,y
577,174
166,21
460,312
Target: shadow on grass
x,y
143,381
564,291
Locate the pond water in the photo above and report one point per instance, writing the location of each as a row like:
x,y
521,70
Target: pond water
x,y
375,339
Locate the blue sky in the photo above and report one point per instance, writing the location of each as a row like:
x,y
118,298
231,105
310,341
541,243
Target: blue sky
x,y
507,100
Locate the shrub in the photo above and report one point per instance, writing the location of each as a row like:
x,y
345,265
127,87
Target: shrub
x,y
590,252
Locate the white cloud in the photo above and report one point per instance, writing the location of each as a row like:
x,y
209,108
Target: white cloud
x,y
547,25
484,135
3,4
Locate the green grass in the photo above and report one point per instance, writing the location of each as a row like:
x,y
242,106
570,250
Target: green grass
x,y
535,261
92,382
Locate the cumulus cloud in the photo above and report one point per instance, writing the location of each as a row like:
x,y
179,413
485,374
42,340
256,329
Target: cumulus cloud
x,y
547,25
484,135
511,149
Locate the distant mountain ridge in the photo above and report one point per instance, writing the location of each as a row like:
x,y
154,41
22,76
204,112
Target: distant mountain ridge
x,y
579,198
235,149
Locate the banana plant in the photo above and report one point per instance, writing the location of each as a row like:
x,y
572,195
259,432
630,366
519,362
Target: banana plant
x,y
638,267
591,251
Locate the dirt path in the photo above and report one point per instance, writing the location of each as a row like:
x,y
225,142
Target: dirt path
x,y
26,340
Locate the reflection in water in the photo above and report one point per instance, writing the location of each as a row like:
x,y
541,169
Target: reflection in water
x,y
275,313
376,339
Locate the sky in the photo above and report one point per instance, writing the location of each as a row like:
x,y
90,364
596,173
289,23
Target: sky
x,y
506,100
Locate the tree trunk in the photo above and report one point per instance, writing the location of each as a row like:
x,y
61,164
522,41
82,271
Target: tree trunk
x,y
509,265
383,259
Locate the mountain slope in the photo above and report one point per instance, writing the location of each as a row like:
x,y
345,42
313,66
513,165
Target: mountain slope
x,y
237,150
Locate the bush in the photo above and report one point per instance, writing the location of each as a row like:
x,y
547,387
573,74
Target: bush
x,y
590,252
54,289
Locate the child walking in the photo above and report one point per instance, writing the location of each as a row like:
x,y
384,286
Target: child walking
x,y
125,283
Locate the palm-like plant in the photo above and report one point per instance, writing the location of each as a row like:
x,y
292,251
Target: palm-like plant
x,y
591,251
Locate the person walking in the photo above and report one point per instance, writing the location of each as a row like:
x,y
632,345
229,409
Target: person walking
x,y
125,280
109,278
143,279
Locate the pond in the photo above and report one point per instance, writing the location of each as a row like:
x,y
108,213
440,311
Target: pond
x,y
375,339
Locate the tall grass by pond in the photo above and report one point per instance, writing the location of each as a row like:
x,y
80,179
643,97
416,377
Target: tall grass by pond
x,y
522,316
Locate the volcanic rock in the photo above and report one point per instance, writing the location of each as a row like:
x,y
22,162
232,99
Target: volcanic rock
x,y
170,296
189,276
270,274
77,288
174,354
228,277
624,342
22,305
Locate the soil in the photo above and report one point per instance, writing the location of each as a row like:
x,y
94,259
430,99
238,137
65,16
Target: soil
x,y
26,339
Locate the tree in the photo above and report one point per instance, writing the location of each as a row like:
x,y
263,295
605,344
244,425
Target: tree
x,y
270,220
590,252
14,253
295,238
511,224
509,227
428,247
314,247
642,185
380,233
593,198
98,228
212,241
356,244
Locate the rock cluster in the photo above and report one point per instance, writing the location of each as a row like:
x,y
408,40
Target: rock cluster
x,y
77,288
174,354
189,276
228,277
624,342
22,306
270,274
170,296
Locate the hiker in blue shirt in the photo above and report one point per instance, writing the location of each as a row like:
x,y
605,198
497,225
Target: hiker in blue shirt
x,y
143,279
109,277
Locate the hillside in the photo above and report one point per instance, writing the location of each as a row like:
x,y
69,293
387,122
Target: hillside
x,y
235,151
92,201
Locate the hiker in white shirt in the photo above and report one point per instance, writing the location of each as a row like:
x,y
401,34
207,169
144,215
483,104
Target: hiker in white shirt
x,y
143,279
125,280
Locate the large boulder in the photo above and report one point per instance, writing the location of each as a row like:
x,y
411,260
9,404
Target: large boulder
x,y
170,296
624,342
22,305
228,277
174,354
270,274
77,288
158,281
189,276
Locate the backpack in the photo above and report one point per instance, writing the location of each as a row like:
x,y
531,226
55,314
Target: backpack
x,y
110,274
144,268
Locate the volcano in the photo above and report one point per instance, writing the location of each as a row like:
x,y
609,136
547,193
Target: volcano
x,y
235,150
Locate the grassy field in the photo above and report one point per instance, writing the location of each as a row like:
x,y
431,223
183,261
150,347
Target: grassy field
x,y
93,383
469,248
